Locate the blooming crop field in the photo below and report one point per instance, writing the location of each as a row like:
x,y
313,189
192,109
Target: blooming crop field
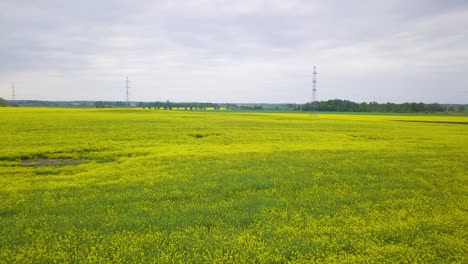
x,y
134,185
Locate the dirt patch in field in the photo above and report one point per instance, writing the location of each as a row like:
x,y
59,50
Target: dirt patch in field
x,y
200,135
49,162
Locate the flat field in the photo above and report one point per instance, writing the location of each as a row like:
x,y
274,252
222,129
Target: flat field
x,y
134,185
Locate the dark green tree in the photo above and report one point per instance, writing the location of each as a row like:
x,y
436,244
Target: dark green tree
x,y
461,108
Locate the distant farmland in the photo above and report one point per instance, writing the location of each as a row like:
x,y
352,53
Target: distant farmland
x,y
135,185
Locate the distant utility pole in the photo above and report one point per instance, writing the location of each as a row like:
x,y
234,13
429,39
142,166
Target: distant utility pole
x,y
13,91
314,89
127,87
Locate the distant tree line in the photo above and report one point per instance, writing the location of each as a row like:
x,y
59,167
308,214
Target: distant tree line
x,y
251,107
338,105
178,105
37,103
335,105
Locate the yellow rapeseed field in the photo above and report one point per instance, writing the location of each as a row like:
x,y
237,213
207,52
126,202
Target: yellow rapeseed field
x,y
154,186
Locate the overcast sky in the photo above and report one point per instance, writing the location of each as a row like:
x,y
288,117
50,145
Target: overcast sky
x,y
235,50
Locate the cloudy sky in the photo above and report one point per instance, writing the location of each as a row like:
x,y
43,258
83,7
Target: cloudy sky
x,y
235,50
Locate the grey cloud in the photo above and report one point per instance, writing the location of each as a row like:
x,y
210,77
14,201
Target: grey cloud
x,y
226,50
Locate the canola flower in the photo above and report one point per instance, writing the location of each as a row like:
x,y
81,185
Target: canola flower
x,y
148,186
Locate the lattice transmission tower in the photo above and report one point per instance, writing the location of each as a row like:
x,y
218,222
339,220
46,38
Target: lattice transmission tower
x,y
13,92
314,89
127,90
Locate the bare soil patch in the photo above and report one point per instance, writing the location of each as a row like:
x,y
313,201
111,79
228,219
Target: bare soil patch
x,y
201,135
